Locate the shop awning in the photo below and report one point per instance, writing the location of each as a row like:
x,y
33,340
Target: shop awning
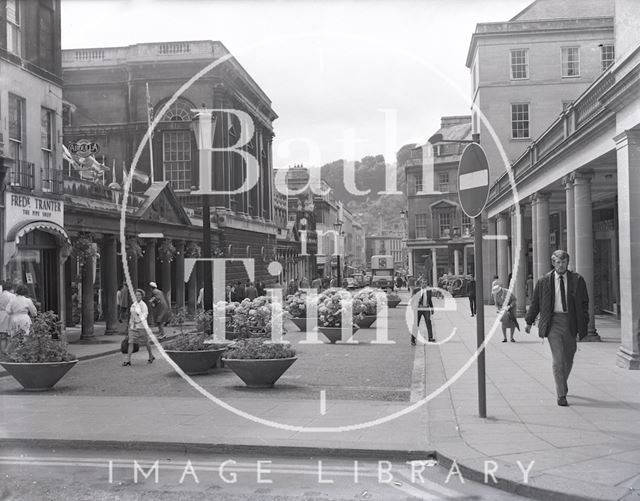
x,y
21,229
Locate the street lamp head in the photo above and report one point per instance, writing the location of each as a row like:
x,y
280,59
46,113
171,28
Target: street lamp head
x,y
337,226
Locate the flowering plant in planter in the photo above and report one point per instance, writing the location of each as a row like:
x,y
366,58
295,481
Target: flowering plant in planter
x,y
252,318
393,296
331,304
296,304
365,302
258,349
42,343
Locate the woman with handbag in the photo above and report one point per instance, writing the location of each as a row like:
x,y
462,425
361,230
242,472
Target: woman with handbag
x,y
137,332
508,319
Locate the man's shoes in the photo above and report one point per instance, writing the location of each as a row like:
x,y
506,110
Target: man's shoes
x,y
413,343
504,340
432,340
562,402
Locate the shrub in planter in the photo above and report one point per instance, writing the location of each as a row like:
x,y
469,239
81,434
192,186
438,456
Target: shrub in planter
x,y
257,348
252,318
40,357
258,362
332,303
393,299
296,304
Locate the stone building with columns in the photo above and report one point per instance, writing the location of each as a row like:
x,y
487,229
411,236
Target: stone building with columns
x,y
439,239
577,186
113,93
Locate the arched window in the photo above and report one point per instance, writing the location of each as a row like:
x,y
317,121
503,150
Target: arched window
x,y
180,111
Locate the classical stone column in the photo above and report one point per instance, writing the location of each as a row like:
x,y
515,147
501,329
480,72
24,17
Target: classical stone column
x,y
149,266
519,259
165,278
571,220
109,261
628,156
465,260
584,241
534,235
502,233
87,330
544,254
434,267
179,273
456,261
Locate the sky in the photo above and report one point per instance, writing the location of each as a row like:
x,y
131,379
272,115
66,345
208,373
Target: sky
x,y
347,78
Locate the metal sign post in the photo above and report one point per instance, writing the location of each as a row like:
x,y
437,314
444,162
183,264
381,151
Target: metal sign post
x,y
473,190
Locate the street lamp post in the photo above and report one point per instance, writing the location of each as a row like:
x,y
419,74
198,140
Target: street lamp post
x,y
203,126
338,227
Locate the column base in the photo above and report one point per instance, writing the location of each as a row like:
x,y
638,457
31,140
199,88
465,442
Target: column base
x,y
111,331
591,338
627,360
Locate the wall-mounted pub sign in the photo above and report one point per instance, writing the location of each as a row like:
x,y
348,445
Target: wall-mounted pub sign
x,y
84,148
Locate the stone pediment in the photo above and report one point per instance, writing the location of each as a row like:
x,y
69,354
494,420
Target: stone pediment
x,y
443,205
162,206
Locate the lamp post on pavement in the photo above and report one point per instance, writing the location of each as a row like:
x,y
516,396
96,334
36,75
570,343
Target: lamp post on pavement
x,y
203,126
338,227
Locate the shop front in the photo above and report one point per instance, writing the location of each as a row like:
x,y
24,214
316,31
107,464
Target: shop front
x,y
36,247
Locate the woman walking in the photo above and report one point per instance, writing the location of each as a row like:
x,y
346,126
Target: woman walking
x,y
137,332
20,310
508,319
6,296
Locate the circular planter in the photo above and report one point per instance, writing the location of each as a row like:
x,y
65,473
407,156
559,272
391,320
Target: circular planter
x,y
259,373
300,323
392,303
334,334
366,321
195,362
40,376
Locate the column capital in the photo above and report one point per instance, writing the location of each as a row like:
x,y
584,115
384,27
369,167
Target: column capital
x,y
582,177
627,137
542,196
567,182
149,241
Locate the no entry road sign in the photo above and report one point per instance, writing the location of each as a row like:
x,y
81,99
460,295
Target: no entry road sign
x,y
473,180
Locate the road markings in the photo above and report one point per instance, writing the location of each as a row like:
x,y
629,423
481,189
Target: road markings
x,y
323,402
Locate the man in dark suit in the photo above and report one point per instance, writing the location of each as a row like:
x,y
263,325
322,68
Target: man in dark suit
x,y
562,300
425,310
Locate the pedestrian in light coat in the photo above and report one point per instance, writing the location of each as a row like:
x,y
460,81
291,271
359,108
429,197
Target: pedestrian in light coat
x,y
161,313
562,301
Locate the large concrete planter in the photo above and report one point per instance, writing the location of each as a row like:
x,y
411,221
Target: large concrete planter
x,y
259,373
393,303
40,376
195,362
300,323
334,334
366,321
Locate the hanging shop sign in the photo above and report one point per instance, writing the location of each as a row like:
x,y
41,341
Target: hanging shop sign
x,y
84,148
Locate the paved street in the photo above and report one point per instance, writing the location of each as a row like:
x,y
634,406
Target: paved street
x,y
589,450
75,474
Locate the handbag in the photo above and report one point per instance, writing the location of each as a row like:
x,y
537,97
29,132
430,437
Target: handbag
x,y
124,346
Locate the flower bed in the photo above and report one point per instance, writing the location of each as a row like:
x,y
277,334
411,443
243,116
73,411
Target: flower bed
x,y
253,318
365,301
257,349
332,303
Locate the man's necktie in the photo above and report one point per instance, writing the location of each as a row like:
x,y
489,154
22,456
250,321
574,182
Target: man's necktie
x,y
563,295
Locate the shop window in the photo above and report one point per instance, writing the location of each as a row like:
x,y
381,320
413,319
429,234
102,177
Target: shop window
x,y
176,158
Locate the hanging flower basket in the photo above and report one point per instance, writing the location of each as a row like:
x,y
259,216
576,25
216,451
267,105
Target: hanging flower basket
x,y
166,250
84,248
133,248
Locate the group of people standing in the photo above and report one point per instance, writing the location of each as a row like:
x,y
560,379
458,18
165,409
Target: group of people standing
x,y
17,311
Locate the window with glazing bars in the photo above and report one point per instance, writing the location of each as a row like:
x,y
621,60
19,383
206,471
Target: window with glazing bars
x,y
13,27
519,121
570,61
46,146
422,225
444,222
443,182
607,56
519,64
176,158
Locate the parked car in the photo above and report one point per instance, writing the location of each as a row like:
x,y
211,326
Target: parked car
x,y
351,283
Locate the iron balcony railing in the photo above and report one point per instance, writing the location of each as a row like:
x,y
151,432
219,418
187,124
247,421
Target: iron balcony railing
x,y
23,174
